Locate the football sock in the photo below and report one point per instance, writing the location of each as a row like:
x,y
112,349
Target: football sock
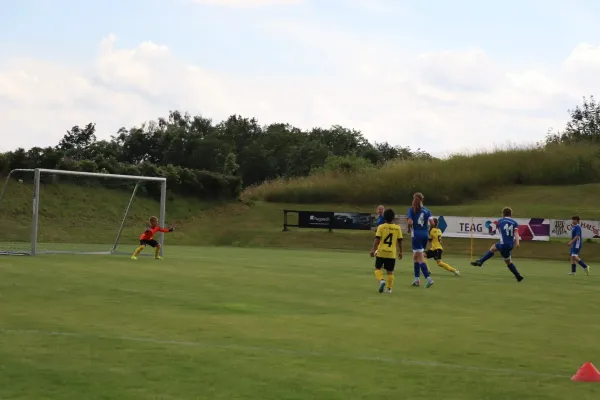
x,y
417,270
446,266
379,275
138,251
486,256
513,269
390,281
425,270
583,265
573,268
156,252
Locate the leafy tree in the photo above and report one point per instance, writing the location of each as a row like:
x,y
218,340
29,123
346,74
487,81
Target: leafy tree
x,y
231,166
346,164
255,164
18,159
239,132
584,125
48,157
207,153
306,157
77,139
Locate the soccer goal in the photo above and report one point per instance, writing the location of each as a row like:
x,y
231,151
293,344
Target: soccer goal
x,y
45,211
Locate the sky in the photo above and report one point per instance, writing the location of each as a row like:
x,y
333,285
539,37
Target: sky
x,y
443,76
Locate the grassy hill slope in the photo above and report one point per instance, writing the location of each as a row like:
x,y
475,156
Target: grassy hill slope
x,y
75,214
457,180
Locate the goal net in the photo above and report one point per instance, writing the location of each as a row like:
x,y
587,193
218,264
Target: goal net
x,y
47,211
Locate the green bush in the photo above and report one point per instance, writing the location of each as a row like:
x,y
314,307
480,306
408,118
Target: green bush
x,y
344,164
444,182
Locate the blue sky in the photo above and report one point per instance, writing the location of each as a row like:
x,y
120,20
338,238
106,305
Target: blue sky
x,y
440,75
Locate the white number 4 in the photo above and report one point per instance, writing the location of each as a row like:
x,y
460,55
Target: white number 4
x,y
421,220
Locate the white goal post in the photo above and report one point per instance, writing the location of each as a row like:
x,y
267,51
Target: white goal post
x,y
30,245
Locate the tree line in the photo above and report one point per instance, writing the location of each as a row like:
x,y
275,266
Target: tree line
x,y
214,160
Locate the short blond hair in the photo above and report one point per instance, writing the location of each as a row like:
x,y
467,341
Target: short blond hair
x,y
153,218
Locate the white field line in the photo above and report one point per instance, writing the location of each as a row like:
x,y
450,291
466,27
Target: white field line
x,y
260,349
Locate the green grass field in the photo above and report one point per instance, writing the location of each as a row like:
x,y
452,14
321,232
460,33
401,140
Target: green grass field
x,y
233,323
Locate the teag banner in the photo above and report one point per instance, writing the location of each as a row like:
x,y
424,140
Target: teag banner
x,y
487,228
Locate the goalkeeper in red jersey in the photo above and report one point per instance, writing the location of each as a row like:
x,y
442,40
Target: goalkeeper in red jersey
x,y
147,238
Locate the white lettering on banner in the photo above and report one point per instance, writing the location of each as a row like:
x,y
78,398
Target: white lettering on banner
x,y
561,228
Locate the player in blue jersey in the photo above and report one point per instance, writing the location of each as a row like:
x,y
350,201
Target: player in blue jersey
x,y
380,217
418,224
575,244
509,240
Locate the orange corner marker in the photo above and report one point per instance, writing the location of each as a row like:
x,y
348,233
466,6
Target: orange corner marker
x,y
587,373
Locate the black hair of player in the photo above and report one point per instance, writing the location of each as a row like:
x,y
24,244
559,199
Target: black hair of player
x,y
507,212
389,215
576,218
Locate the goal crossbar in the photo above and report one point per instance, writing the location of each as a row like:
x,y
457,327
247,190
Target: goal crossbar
x,y
37,173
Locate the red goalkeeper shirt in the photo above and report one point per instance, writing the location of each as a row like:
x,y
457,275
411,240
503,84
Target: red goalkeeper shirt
x,y
150,232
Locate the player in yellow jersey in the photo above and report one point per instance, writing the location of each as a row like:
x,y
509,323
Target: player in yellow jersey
x,y
387,244
436,249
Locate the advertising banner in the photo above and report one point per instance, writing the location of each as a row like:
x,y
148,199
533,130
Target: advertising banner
x,y
400,220
315,219
487,228
356,221
561,228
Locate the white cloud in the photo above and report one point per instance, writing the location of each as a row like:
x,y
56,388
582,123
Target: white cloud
x,y
440,102
398,8
247,3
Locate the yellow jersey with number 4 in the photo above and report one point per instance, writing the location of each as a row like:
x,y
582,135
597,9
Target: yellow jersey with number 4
x,y
388,235
435,235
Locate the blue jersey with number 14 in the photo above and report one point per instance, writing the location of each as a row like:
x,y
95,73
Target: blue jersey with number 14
x,y
507,227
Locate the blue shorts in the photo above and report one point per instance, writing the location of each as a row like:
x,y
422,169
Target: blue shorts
x,y
419,243
575,251
505,250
